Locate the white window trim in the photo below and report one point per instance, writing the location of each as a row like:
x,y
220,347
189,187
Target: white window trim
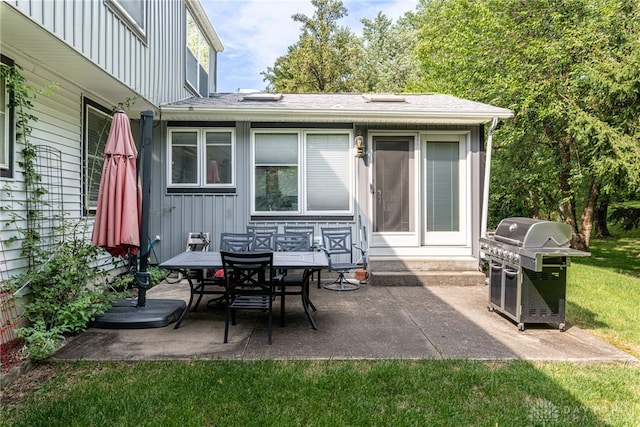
x,y
202,157
302,167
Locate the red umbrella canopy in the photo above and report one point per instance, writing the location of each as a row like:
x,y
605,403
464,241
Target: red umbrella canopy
x,y
117,223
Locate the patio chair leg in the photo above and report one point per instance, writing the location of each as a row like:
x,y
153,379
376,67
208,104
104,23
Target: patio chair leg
x,y
341,284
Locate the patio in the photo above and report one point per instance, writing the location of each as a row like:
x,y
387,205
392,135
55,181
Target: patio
x,y
375,322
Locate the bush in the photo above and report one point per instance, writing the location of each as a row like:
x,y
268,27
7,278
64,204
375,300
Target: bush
x,y
68,292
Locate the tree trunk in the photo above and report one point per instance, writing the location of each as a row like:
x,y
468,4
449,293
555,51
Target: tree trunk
x,y
581,240
602,212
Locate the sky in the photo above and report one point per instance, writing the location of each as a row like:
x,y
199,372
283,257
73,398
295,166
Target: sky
x,y
255,33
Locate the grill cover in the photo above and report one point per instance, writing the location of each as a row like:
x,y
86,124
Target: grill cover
x,y
533,233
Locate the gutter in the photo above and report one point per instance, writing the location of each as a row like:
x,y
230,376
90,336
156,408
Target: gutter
x,y
335,115
487,177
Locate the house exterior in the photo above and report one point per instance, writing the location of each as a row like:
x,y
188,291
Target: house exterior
x,y
404,171
98,55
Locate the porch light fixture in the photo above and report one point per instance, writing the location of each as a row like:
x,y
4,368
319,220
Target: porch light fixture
x,y
359,145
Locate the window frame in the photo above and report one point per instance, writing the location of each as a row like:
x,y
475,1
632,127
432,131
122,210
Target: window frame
x,y
196,90
201,152
8,139
87,104
121,12
302,173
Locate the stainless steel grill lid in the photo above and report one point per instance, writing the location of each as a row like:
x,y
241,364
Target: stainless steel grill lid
x,y
533,233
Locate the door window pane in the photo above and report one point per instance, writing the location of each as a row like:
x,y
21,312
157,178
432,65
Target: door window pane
x,y
443,188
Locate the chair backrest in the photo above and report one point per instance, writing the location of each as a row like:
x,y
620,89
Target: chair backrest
x,y
198,242
251,270
236,242
337,240
292,243
263,237
307,230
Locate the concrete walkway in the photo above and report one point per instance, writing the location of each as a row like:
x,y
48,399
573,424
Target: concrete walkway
x,y
370,323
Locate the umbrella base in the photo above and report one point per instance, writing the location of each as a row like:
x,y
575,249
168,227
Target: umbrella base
x,y
125,314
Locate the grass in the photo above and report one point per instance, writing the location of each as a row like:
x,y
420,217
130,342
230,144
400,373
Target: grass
x,y
603,297
603,291
327,393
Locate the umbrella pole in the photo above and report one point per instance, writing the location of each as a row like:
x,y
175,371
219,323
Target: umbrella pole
x,y
143,279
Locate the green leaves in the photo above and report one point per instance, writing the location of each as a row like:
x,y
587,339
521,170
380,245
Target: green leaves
x,y
569,70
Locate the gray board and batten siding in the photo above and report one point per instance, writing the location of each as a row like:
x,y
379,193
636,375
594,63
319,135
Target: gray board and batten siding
x,y
175,213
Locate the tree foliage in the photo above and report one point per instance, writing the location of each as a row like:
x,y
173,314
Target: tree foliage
x,y
323,59
567,69
328,58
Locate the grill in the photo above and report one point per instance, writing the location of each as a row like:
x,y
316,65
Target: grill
x,y
527,270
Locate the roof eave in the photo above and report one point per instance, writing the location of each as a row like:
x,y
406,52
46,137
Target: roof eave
x,y
339,116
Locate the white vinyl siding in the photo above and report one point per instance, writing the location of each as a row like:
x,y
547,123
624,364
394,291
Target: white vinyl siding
x,y
302,172
201,158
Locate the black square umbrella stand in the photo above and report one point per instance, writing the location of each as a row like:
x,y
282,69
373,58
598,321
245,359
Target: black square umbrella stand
x,y
125,314
142,313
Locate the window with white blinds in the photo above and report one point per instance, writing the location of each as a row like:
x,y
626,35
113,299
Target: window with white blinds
x,y
443,186
302,172
328,172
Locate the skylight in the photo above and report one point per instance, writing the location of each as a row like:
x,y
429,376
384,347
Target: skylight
x,y
262,96
382,97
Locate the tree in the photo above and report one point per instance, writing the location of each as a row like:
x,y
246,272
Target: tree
x,y
389,51
325,57
572,141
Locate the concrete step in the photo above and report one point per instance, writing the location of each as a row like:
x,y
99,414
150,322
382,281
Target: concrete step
x,y
426,278
423,264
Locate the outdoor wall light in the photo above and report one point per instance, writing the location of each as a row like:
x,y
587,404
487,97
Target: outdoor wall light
x,y
359,145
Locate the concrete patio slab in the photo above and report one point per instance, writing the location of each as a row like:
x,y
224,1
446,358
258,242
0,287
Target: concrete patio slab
x,y
374,322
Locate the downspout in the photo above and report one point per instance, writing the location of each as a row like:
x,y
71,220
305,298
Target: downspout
x,y
487,177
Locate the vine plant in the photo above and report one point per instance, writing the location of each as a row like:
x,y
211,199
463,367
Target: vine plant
x,y
67,288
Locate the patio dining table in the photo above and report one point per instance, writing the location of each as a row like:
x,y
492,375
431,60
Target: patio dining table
x,y
192,260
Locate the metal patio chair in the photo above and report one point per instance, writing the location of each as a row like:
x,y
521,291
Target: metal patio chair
x,y
236,242
337,242
298,282
263,237
250,285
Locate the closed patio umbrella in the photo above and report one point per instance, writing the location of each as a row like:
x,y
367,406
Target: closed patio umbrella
x,y
117,222
122,222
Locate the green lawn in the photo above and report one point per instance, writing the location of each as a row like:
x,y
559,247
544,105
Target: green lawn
x,y
603,291
603,294
334,393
